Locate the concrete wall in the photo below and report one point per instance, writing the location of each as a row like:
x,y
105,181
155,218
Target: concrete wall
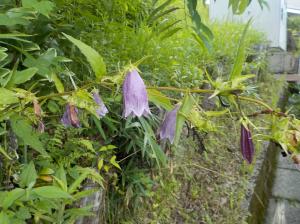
x,y
272,21
283,62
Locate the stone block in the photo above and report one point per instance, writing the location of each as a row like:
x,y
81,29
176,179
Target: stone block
x,y
286,163
283,62
287,184
281,211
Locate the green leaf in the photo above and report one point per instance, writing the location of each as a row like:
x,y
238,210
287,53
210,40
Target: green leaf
x,y
114,163
58,84
53,107
23,213
13,35
8,97
159,99
241,78
4,153
28,175
16,16
20,77
3,55
4,218
106,148
88,144
183,112
51,192
99,127
43,63
240,55
100,164
202,34
75,213
92,56
85,173
43,7
159,9
24,131
61,174
11,197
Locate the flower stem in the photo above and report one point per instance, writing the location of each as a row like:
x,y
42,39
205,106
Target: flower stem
x,y
181,90
255,101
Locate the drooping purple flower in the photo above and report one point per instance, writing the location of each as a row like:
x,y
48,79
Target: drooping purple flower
x,y
70,117
247,147
102,109
135,98
168,126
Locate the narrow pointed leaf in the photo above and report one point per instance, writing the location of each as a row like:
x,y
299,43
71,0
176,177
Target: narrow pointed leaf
x,y
185,109
159,99
92,56
240,55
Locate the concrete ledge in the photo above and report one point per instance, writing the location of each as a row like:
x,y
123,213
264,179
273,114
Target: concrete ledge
x,y
264,180
283,210
286,184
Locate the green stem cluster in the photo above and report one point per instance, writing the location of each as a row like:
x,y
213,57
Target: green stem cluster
x,y
168,88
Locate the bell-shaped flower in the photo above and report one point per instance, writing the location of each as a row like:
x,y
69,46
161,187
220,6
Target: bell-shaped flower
x,y
102,109
247,147
70,117
168,126
135,98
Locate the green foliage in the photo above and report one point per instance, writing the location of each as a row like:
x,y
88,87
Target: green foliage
x,y
95,60
183,113
46,165
239,6
24,131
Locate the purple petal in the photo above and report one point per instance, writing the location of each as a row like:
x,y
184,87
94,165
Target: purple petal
x,y
70,117
135,98
102,109
168,126
247,146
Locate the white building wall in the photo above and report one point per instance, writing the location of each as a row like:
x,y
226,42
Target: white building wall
x,y
283,25
272,21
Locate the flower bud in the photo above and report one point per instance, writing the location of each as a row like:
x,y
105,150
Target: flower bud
x,y
247,147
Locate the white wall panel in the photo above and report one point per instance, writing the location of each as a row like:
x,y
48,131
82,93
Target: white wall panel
x,y
271,21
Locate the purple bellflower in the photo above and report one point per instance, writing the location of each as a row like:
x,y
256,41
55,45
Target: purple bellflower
x,y
168,126
70,117
247,147
135,98
102,109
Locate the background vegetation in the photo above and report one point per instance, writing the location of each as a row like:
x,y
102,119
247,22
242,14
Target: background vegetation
x,y
47,169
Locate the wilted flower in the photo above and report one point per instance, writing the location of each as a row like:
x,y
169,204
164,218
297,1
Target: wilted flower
x,y
296,159
37,108
38,112
135,98
168,126
70,117
101,110
247,144
41,127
